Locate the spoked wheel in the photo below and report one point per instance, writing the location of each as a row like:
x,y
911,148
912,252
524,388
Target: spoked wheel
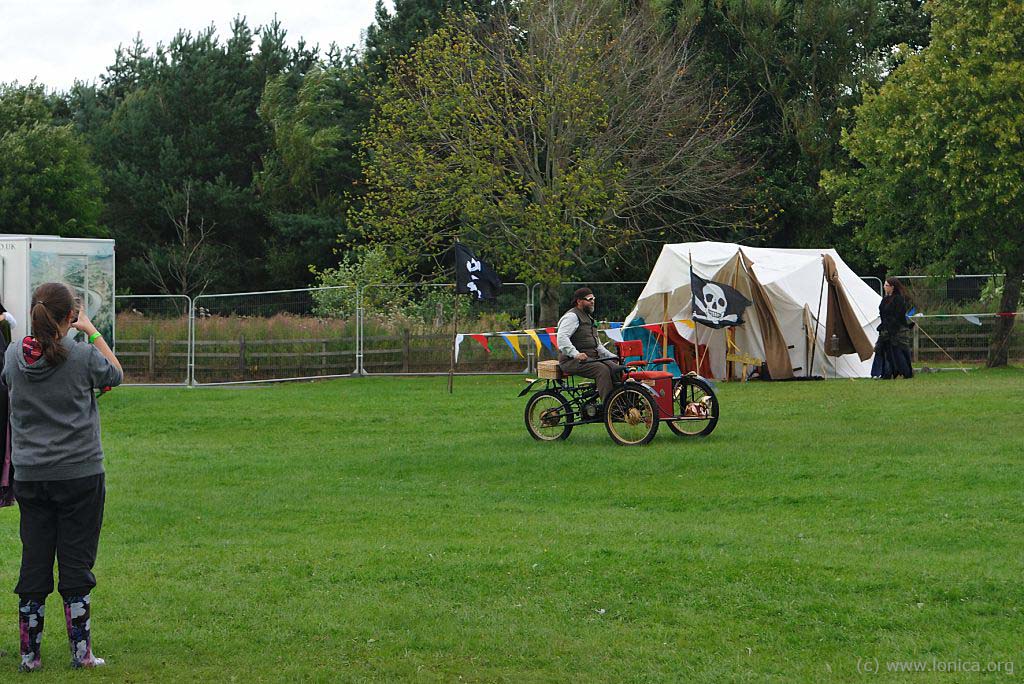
x,y
695,401
631,415
548,416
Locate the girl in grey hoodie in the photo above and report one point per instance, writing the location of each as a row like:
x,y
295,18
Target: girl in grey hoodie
x,y
58,465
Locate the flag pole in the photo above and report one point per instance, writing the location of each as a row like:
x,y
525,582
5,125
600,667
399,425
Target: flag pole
x,y
455,335
455,315
704,355
693,313
817,319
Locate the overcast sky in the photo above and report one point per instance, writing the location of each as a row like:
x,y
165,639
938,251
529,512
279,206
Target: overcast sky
x,y
57,41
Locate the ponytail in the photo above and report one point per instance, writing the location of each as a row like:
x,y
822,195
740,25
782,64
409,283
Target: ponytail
x,y
51,305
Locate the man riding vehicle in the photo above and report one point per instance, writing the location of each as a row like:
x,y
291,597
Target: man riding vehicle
x,y
580,351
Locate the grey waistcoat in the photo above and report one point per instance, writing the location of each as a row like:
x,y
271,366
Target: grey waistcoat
x,y
585,337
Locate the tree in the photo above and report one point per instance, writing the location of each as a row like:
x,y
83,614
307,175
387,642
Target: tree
x,y
315,120
939,179
48,183
188,265
550,136
310,175
185,114
800,63
393,33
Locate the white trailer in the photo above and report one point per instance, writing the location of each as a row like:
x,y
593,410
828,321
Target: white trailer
x,y
86,264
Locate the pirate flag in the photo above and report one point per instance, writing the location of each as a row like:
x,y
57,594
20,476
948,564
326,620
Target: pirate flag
x,y
473,276
716,305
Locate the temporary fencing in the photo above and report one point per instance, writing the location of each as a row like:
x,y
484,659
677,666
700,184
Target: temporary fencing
x,y
874,282
954,294
274,335
152,337
408,329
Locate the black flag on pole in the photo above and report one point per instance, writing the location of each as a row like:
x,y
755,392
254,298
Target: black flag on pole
x,y
473,276
716,305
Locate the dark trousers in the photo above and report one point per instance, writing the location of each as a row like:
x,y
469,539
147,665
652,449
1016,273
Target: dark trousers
x,y
59,518
601,371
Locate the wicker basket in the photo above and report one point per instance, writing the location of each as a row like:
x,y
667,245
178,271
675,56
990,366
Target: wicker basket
x,y
549,370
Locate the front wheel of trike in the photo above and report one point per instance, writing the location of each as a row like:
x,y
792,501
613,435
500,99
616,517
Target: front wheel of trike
x,y
631,415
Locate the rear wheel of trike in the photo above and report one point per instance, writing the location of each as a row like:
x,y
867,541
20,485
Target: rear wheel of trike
x,y
548,416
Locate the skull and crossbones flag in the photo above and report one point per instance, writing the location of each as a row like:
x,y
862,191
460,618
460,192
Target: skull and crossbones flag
x,y
473,276
716,305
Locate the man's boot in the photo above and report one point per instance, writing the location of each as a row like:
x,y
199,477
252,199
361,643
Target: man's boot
x,y
76,614
30,624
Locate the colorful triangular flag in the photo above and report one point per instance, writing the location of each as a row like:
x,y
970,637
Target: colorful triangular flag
x,y
536,340
512,340
458,344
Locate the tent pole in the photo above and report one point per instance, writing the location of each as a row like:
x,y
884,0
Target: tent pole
x,y
730,343
817,319
664,325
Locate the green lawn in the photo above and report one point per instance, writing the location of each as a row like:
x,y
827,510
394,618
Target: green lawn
x,y
381,530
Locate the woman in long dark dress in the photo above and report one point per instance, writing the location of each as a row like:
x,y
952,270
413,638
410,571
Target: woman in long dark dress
x,y
892,351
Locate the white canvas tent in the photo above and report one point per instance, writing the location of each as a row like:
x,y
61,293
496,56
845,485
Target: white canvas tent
x,y
786,286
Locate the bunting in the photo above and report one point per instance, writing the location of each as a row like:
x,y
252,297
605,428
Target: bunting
x,y
458,344
547,337
536,340
971,319
546,340
512,340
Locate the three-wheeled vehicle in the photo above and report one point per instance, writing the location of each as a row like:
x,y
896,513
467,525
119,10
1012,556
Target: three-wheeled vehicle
x,y
640,400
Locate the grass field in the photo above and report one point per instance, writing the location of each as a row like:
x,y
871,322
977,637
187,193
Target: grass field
x,y
382,530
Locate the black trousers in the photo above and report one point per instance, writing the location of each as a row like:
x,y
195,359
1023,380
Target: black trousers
x,y
59,518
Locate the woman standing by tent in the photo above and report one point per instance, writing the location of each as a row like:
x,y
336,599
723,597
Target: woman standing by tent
x,y
58,465
892,351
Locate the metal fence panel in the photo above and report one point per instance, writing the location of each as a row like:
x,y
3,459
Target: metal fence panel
x,y
152,339
408,329
954,294
615,299
874,282
274,335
